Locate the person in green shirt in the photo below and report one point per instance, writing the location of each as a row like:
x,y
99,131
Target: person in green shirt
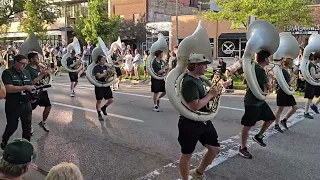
x,y
18,85
311,91
194,93
36,77
256,109
159,68
283,99
72,62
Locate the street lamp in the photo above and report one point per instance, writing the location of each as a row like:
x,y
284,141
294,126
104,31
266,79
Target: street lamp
x,y
177,37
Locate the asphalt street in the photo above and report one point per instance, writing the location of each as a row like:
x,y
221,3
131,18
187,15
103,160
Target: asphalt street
x,y
136,143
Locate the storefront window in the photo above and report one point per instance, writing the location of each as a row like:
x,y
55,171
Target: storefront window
x,y
228,47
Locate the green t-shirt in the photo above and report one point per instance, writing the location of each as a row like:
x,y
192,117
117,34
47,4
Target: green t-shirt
x,y
71,60
286,76
157,66
34,73
11,76
193,89
249,98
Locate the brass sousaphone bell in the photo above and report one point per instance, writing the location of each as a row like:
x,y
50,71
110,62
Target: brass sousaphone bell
x,y
160,44
313,46
111,75
117,45
288,48
32,45
261,36
75,45
198,43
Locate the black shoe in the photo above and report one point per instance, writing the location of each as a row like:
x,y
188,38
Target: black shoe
x,y
259,140
308,116
44,126
103,109
100,117
314,108
244,153
3,145
277,127
284,124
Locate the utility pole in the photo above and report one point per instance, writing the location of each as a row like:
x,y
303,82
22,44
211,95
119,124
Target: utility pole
x,y
177,24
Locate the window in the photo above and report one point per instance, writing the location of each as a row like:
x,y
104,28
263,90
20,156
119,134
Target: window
x,y
122,16
136,18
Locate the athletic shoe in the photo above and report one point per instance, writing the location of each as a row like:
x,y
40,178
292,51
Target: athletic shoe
x,y
100,117
259,140
308,116
71,94
244,153
284,124
314,108
44,126
103,109
3,145
195,175
156,108
277,127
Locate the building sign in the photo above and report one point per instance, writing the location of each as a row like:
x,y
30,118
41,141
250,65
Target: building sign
x,y
158,17
228,47
303,30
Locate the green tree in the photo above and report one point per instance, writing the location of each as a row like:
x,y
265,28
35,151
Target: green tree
x,y
98,24
39,15
281,13
9,8
78,25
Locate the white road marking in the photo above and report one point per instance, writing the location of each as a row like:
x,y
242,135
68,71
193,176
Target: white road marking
x,y
229,149
90,87
91,110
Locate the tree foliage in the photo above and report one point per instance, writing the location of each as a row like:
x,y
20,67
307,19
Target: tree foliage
x,y
78,25
9,8
281,13
98,24
39,15
135,30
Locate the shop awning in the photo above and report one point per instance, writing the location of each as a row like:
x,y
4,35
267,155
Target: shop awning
x,y
233,36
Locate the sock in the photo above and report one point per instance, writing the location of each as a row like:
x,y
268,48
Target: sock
x,y
103,107
284,120
99,113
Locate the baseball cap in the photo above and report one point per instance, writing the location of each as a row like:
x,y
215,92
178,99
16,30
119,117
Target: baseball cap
x,y
198,58
19,151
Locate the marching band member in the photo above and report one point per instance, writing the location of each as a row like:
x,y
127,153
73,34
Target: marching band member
x,y
157,86
310,90
190,131
117,60
283,99
100,71
72,62
59,65
36,77
256,109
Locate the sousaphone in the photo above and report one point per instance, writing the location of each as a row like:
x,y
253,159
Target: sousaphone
x,y
288,48
111,75
313,46
75,45
31,45
160,44
198,43
261,36
117,45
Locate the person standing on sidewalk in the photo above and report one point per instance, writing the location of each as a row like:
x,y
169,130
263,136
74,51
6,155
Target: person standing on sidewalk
x,y
137,61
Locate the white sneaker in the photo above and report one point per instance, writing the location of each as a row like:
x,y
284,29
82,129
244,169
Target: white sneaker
x,y
156,109
71,94
195,175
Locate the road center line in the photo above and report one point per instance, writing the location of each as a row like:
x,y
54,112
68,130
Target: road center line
x,y
90,87
91,110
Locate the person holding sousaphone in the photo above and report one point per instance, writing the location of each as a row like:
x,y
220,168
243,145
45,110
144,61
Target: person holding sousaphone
x,y
287,51
157,68
73,63
263,40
